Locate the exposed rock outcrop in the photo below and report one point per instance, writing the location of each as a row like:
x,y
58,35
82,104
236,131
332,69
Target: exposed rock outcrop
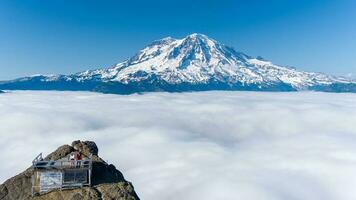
x,y
108,182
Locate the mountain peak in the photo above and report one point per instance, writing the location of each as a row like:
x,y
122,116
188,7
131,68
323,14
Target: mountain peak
x,y
107,181
200,38
197,35
195,62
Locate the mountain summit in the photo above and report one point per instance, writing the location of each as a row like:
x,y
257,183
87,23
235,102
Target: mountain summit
x,y
193,63
107,182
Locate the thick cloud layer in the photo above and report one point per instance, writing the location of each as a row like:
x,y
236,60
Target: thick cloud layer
x,y
209,145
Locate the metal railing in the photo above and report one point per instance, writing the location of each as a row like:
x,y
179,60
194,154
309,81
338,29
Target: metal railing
x,y
45,164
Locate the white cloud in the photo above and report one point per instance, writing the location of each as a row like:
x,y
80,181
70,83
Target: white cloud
x,y
209,145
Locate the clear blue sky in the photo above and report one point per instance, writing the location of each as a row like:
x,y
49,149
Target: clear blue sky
x,y
65,36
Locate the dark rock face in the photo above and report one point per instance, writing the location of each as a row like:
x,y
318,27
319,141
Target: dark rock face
x,y
108,182
336,87
86,147
152,83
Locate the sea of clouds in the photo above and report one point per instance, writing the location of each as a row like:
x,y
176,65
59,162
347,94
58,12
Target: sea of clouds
x,y
206,145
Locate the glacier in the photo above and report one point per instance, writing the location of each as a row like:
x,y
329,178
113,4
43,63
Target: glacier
x,y
193,63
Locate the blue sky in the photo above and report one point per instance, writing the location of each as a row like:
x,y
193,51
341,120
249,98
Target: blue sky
x,y
66,36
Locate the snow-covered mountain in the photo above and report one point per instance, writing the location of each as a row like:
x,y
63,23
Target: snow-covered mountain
x,y
195,62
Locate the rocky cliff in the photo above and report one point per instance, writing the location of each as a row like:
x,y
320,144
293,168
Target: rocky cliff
x,y
108,182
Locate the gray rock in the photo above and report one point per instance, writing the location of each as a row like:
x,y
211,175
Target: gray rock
x,y
108,182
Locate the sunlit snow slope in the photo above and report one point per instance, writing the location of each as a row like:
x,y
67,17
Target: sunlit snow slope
x,y
195,62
